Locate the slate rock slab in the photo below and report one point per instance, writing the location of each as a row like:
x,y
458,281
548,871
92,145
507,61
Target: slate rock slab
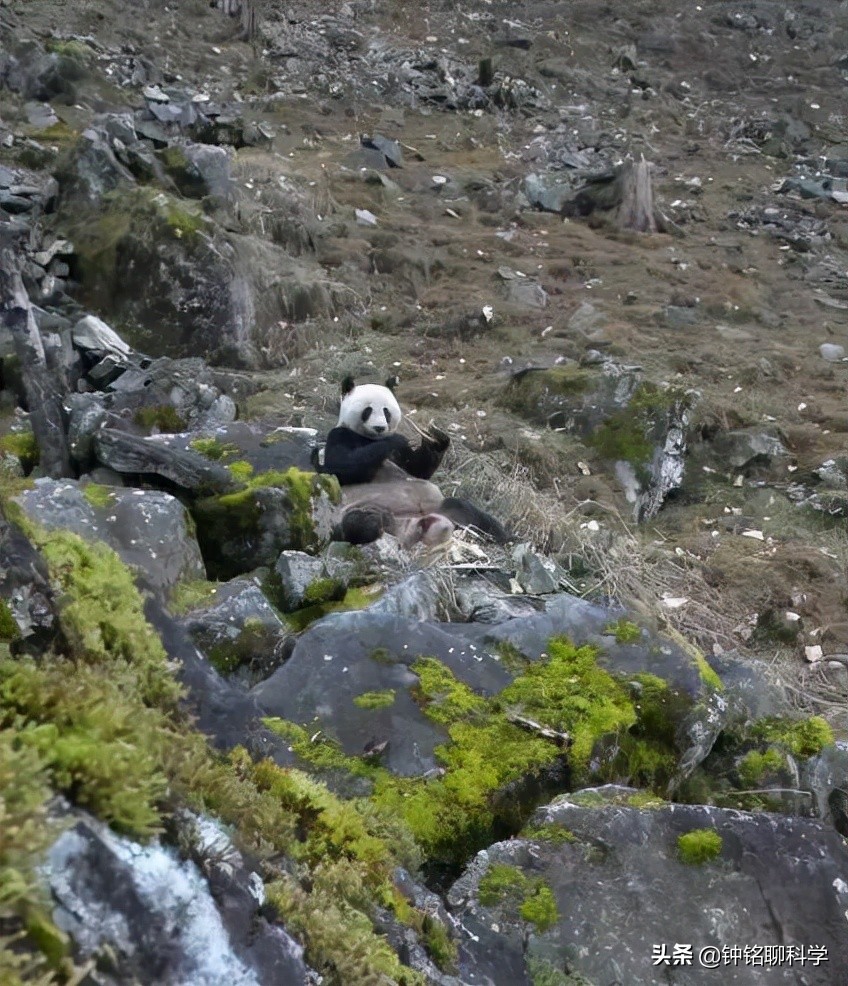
x,y
621,891
348,654
150,530
157,915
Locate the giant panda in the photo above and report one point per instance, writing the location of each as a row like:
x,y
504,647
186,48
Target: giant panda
x,y
385,481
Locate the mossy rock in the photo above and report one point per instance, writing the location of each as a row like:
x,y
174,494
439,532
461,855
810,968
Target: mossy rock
x,y
276,511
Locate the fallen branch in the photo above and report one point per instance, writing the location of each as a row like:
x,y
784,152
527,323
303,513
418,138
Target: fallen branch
x,y
561,739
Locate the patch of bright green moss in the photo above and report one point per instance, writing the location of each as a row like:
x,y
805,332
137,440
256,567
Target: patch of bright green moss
x,y
23,445
25,834
102,614
630,435
756,767
801,737
375,700
98,496
443,697
184,223
241,471
508,887
699,846
212,448
191,594
555,834
644,799
570,692
708,674
323,591
163,417
624,631
354,598
647,754
9,629
75,50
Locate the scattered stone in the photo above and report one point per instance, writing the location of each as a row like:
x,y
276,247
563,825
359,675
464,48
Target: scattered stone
x,y
831,352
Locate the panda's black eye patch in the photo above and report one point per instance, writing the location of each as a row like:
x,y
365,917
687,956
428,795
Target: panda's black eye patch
x,y
366,414
388,415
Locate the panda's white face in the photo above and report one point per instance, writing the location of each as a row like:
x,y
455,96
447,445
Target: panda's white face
x,y
370,410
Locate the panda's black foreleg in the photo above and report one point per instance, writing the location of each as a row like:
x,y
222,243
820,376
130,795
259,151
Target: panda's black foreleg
x,y
465,514
423,461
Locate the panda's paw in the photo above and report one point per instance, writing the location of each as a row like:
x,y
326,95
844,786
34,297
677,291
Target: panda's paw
x,y
439,439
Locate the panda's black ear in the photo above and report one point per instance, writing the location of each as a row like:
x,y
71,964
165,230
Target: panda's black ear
x,y
347,385
392,382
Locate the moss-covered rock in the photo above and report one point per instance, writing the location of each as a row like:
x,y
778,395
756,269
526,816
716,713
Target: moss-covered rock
x,y
275,511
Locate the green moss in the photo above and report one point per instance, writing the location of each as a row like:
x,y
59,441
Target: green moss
x,y
555,834
213,449
301,488
441,948
708,674
756,767
58,133
543,973
25,833
539,908
102,614
76,51
98,496
535,394
647,754
354,598
644,799
23,445
508,887
184,223
571,693
340,940
241,471
191,594
699,846
501,882
801,737
9,629
102,723
624,631
323,591
254,639
631,435
443,697
375,700
511,657
163,417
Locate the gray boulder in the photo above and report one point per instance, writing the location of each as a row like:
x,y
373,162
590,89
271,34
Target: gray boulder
x,y
149,529
239,632
602,891
162,918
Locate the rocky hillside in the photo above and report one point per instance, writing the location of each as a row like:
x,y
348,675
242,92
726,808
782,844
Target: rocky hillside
x,y
605,250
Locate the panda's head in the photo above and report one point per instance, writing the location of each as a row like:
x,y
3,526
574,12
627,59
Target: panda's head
x,y
369,409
